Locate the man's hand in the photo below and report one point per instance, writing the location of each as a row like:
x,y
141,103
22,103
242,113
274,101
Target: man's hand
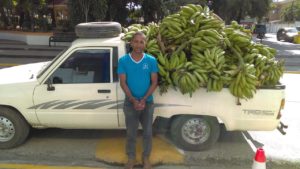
x,y
142,104
139,105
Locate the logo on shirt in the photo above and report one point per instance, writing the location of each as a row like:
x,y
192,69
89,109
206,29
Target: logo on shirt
x,y
145,66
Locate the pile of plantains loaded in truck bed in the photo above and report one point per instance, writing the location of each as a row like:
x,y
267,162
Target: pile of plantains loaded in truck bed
x,y
195,49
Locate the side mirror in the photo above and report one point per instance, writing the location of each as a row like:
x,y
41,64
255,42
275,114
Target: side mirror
x,y
50,87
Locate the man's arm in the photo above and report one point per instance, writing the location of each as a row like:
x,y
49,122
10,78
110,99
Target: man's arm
x,y
125,88
153,86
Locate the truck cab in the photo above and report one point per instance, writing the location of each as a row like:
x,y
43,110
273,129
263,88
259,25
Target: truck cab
x,y
84,79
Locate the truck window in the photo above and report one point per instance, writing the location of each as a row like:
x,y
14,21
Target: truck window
x,y
43,70
84,66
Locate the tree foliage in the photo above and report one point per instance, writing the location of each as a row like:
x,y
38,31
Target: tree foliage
x,y
132,11
4,17
155,10
31,13
87,10
291,13
237,9
117,11
6,10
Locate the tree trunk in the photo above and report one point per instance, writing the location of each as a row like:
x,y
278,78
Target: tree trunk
x,y
4,17
240,15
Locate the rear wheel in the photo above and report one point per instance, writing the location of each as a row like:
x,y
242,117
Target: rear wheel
x,y
13,128
279,38
280,35
195,133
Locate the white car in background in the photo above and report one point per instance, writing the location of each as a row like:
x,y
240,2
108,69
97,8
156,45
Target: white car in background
x,y
287,34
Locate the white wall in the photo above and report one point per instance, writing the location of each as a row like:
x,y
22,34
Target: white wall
x,y
30,39
273,27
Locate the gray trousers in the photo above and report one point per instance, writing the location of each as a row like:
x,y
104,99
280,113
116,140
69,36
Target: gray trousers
x,y
132,119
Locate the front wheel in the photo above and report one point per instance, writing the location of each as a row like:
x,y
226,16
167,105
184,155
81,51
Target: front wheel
x,y
260,36
13,128
195,133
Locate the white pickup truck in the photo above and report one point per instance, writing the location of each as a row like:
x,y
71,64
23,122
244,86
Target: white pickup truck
x,y
80,89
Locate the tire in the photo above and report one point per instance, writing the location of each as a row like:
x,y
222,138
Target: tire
x,y
13,128
279,35
260,36
278,38
98,30
190,140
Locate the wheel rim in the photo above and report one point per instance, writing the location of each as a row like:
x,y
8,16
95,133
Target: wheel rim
x,y
195,131
7,129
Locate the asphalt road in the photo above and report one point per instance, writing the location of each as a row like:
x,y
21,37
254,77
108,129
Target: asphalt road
x,y
285,50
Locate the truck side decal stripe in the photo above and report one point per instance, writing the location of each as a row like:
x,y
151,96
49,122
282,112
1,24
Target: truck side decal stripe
x,y
94,105
91,104
169,105
44,105
57,104
117,106
120,105
66,104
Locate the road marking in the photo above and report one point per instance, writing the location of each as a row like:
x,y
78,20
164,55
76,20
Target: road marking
x,y
30,166
112,150
249,140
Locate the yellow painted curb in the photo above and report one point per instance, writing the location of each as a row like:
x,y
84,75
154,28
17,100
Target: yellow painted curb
x,y
292,72
30,166
8,64
112,150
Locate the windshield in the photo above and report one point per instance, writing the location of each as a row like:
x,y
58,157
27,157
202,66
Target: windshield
x,y
293,30
46,66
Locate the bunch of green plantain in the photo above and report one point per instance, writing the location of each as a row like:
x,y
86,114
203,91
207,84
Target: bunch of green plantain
x,y
196,50
243,84
212,62
150,31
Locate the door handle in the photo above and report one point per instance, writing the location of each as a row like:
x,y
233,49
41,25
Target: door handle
x,y
103,91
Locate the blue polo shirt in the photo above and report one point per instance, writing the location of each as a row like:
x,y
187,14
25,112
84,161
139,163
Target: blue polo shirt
x,y
138,74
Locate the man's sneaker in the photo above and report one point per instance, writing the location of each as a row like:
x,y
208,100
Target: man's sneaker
x,y
146,163
130,164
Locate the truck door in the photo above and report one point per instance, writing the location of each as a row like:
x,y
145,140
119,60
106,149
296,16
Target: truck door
x,y
79,92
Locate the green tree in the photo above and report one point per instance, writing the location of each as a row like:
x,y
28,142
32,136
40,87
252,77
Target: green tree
x,y
260,8
4,17
151,10
237,9
291,13
156,10
117,11
6,11
86,10
28,10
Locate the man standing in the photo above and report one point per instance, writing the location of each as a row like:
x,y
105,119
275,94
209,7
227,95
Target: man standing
x,y
138,78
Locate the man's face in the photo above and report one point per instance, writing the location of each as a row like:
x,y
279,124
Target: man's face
x,y
138,44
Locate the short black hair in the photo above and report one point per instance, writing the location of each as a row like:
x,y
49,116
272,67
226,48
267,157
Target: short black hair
x,y
138,33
